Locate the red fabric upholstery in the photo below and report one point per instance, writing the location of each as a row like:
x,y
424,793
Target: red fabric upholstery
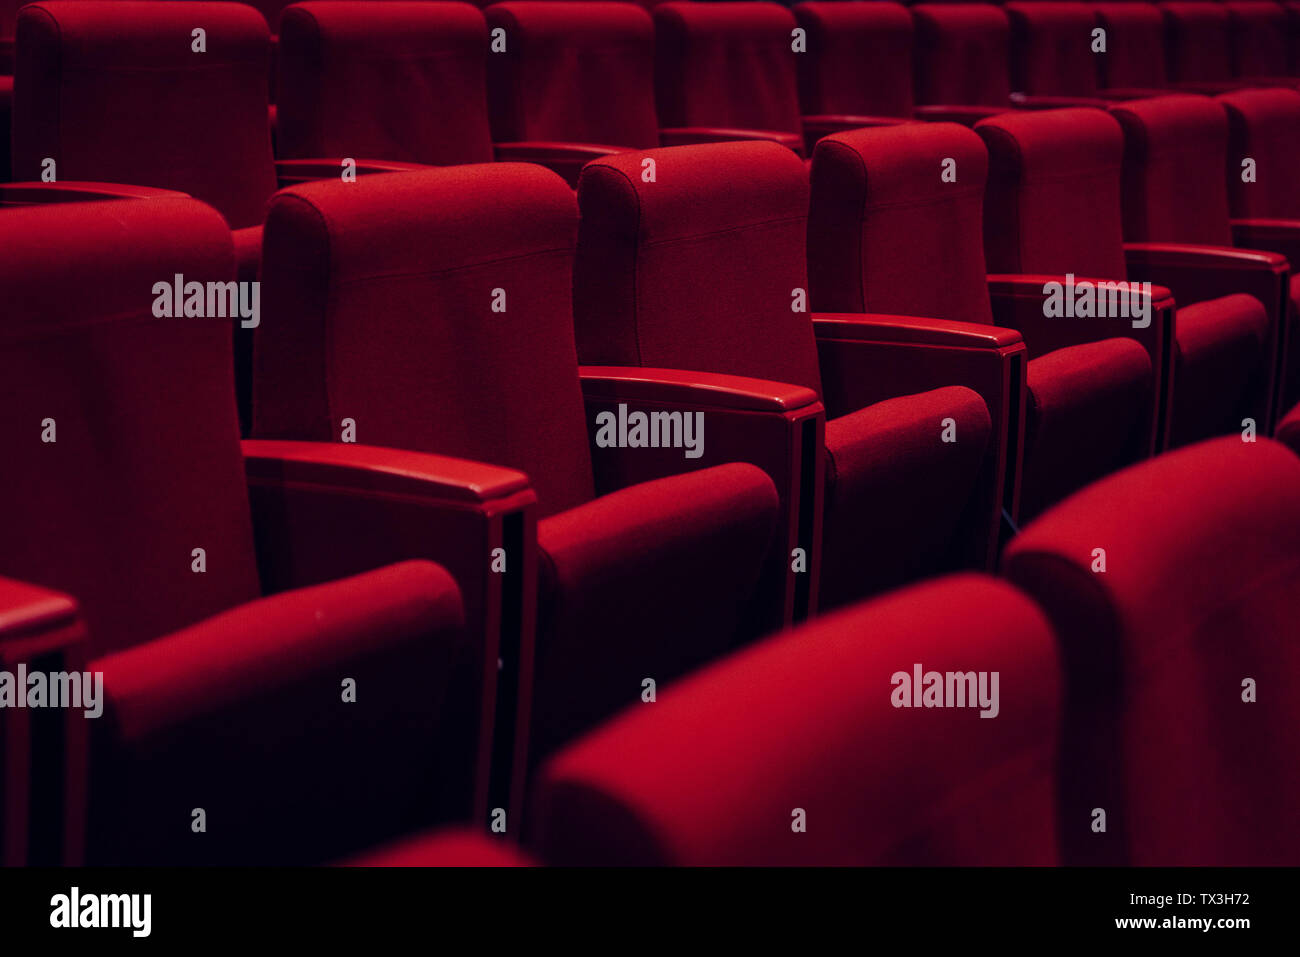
x,y
697,270
1135,49
207,686
659,548
1053,207
393,283
962,54
182,712
1263,125
573,73
883,227
1258,37
693,779
677,273
1052,204
1198,45
1175,148
1199,593
384,298
393,81
451,848
726,65
114,92
124,492
859,59
1051,49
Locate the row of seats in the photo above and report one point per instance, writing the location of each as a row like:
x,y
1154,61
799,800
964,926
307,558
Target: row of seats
x,y
1127,730
125,488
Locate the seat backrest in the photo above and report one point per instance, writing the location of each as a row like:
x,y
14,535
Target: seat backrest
x,y
433,309
1198,44
119,92
727,65
1175,148
848,766
1259,39
1263,126
1174,587
392,81
1135,46
1051,49
858,61
894,224
121,441
962,54
700,268
573,73
1052,204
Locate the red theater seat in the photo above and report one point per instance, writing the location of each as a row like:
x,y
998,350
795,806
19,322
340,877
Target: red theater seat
x,y
857,67
962,61
888,234
726,71
1177,224
224,681
1052,58
384,81
704,268
836,772
1215,47
1053,207
1174,589
1133,65
117,92
576,81
433,309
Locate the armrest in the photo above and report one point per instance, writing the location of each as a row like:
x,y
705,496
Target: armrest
x,y
1018,301
866,358
255,694
291,171
817,126
324,510
73,191
687,135
1028,101
566,159
1197,273
967,114
40,629
1281,236
776,426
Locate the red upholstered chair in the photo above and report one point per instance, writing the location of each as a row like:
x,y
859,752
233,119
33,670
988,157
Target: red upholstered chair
x,y
856,69
576,81
125,488
449,848
1215,47
704,267
837,772
1258,34
962,61
1052,58
1053,207
115,92
1177,223
1133,65
433,310
389,81
1167,593
887,234
726,71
